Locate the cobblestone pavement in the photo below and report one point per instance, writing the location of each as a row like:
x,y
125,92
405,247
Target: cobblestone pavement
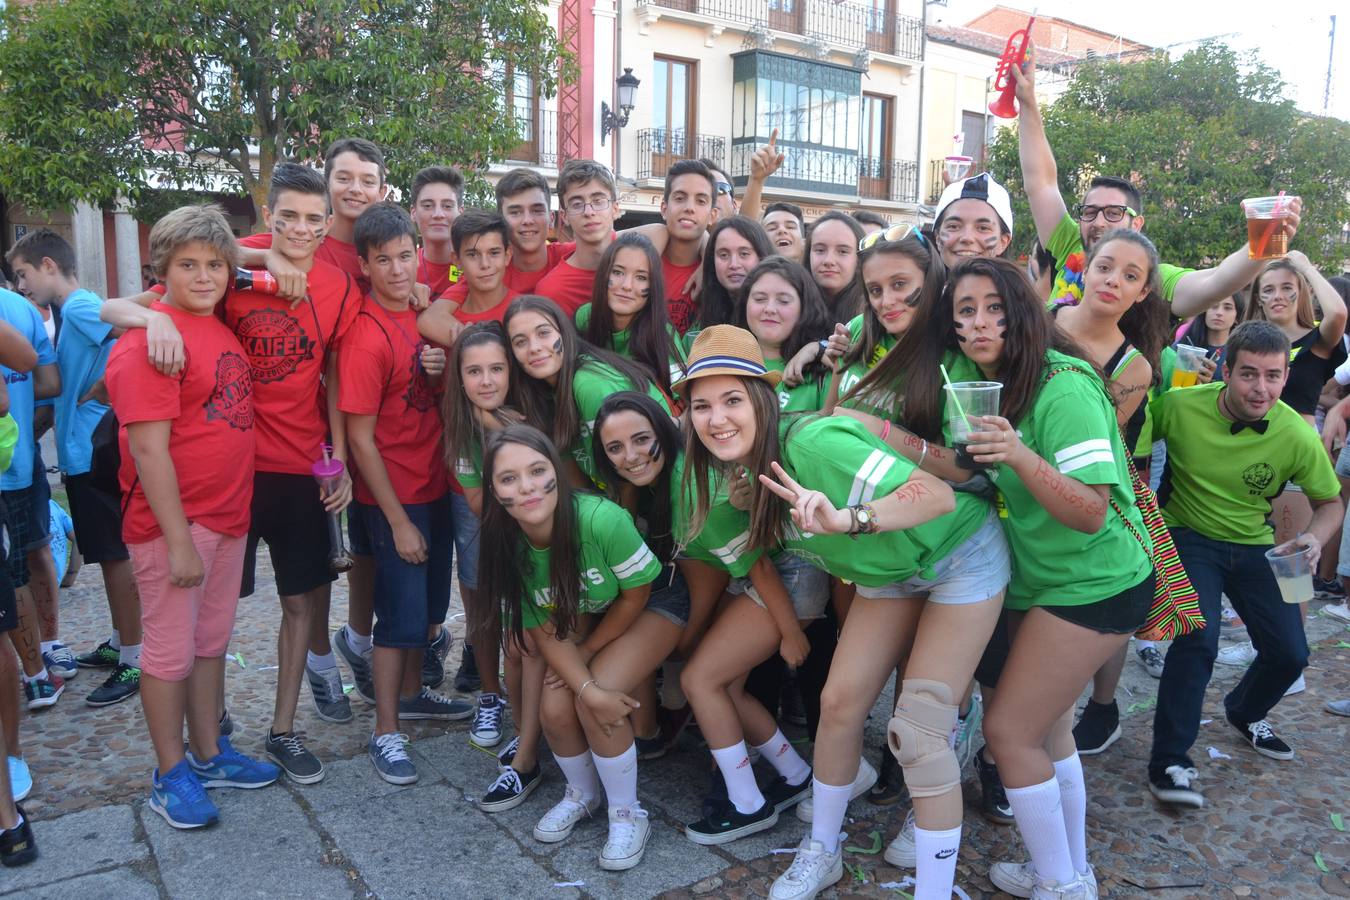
x,y
1267,825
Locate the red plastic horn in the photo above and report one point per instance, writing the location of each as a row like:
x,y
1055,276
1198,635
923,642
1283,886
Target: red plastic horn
x,y
1014,52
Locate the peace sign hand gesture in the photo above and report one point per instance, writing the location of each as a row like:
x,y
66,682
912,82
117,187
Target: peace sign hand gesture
x,y
811,510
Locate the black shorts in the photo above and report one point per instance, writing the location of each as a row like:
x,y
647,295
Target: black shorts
x,y
29,529
289,516
98,520
1124,613
9,613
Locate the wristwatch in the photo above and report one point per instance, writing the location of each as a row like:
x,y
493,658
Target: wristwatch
x,y
864,519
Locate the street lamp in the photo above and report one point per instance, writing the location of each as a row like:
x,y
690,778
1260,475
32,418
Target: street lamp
x,y
627,84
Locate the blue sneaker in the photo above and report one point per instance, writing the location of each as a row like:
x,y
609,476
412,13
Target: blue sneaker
x,y
177,795
61,660
20,778
230,768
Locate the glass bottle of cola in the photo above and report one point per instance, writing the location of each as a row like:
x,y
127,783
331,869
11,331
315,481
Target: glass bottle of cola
x,y
259,280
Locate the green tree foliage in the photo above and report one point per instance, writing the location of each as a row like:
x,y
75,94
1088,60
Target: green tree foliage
x,y
97,95
1196,134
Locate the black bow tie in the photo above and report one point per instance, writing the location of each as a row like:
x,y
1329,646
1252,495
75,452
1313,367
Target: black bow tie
x,y
1259,426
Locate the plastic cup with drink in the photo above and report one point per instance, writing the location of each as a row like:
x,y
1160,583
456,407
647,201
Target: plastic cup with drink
x,y
1292,565
1266,218
967,401
1190,362
328,473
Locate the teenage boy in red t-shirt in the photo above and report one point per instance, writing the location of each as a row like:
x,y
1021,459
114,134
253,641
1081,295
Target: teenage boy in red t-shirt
x,y
187,447
688,209
437,201
482,243
402,490
522,199
590,202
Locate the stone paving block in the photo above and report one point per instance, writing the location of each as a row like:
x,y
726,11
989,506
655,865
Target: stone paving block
x,y
119,884
263,846
670,862
78,843
347,781
453,758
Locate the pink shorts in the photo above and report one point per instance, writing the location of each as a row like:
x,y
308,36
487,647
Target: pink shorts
x,y
181,624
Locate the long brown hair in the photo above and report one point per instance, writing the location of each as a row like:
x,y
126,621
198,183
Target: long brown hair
x,y
850,300
813,321
649,341
501,572
1307,316
463,429
717,305
1146,324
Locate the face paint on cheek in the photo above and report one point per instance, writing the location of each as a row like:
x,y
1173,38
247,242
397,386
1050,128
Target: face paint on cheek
x,y
960,327
506,502
989,245
655,451
557,346
550,486
913,299
1003,324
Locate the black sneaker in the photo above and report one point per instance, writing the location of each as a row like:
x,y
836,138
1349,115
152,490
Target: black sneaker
x,y
124,682
289,752
511,789
17,847
890,786
783,796
1330,589
1173,785
994,803
467,679
728,825
1098,727
363,676
508,752
104,656
650,747
433,660
1264,740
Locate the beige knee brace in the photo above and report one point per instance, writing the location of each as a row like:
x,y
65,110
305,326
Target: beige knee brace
x,y
919,735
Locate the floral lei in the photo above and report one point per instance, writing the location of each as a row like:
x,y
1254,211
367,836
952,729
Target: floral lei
x,y
1071,275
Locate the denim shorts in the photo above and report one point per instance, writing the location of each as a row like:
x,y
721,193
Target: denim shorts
x,y
358,535
670,596
466,540
975,571
808,586
410,597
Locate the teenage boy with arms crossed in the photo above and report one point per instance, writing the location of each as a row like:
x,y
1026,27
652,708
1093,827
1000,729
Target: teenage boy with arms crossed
x,y
187,472
437,201
292,360
402,491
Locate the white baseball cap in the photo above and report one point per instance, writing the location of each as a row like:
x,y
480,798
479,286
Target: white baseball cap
x,y
979,187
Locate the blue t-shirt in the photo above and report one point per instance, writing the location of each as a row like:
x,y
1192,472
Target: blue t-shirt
x,y
61,526
82,353
18,312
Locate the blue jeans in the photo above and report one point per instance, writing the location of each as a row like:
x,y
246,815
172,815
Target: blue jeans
x,y
407,597
1275,627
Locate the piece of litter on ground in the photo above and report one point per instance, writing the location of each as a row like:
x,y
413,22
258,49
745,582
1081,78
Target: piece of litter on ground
x,y
1205,721
1317,858
778,850
567,884
239,658
899,887
348,688
266,668
1343,645
1216,753
868,851
858,872
1337,822
1142,705
960,893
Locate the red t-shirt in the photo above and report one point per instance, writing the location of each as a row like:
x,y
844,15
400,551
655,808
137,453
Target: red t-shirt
x,y
331,250
460,292
678,301
525,282
211,439
288,351
382,376
567,286
436,276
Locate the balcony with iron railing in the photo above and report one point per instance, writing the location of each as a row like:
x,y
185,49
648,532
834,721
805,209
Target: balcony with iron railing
x,y
849,26
893,180
660,148
836,173
538,130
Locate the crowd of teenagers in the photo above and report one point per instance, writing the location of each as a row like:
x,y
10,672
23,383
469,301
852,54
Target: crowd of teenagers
x,y
698,474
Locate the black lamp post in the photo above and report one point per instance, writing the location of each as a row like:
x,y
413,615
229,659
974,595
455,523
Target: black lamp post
x,y
627,84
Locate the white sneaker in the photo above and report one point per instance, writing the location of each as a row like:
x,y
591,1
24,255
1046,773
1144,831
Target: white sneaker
x,y
1151,660
900,852
1019,879
1243,654
862,783
1338,611
556,824
813,869
628,834
1297,687
1077,889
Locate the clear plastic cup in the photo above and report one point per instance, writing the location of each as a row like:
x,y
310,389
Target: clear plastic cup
x,y
966,402
1293,572
1266,216
1187,370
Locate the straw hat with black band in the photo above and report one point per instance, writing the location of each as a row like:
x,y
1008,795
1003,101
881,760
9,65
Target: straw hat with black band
x,y
726,350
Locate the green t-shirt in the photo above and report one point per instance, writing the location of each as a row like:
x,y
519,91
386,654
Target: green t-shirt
x,y
1066,246
469,466
809,396
1072,426
1167,361
592,384
618,342
9,439
613,558
878,403
1220,484
724,540
850,465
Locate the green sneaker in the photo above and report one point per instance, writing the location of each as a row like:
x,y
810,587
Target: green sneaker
x,y
101,657
124,682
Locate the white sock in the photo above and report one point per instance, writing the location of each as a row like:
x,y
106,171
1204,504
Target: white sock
x,y
619,776
580,774
47,646
672,695
361,643
829,803
18,824
115,641
1073,804
734,762
778,751
1041,822
321,663
130,655
935,861
40,676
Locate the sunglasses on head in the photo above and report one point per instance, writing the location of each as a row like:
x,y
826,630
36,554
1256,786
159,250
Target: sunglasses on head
x,y
892,235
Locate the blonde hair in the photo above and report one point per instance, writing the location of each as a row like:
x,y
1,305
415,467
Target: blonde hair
x,y
1307,316
204,224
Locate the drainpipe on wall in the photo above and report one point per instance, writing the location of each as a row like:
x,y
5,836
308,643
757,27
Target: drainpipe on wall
x,y
923,71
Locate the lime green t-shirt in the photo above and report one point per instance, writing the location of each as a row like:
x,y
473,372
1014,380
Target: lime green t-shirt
x,y
850,465
9,439
882,403
724,539
592,384
1066,246
613,558
1167,361
1072,426
618,342
1220,484
809,396
469,466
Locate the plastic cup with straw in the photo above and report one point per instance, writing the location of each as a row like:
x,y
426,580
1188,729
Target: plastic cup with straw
x,y
969,401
